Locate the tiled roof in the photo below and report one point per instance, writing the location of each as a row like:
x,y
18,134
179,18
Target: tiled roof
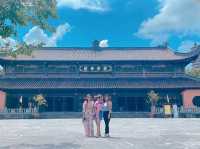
x,y
98,83
102,54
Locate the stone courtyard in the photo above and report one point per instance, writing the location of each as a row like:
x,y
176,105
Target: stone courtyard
x,y
125,134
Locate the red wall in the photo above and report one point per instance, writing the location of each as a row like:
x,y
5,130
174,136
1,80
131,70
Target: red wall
x,y
2,100
188,96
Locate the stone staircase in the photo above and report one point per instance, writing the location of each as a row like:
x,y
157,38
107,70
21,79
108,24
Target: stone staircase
x,y
72,115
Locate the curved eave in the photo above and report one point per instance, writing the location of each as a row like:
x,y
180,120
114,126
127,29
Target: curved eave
x,y
184,60
193,55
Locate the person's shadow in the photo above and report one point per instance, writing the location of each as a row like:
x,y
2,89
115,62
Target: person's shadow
x,y
111,137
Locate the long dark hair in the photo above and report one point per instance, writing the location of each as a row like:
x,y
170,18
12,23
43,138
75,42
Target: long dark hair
x,y
106,96
85,99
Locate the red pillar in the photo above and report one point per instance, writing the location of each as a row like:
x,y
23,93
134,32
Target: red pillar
x,y
2,100
188,96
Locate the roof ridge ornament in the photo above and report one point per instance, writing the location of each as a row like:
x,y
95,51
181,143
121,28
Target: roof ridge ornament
x,y
95,45
194,52
164,45
195,47
195,44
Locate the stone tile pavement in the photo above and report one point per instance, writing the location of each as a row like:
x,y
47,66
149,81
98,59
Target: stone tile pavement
x,y
125,134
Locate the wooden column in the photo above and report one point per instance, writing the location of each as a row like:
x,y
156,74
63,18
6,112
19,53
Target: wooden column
x,y
114,102
78,102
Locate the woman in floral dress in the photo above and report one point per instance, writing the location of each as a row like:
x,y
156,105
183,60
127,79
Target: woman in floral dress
x,y
88,114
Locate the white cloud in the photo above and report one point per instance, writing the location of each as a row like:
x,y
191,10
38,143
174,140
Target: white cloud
x,y
92,5
103,43
36,35
60,32
8,41
175,17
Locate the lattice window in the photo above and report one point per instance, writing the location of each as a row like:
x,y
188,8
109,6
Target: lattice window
x,y
29,68
61,68
129,68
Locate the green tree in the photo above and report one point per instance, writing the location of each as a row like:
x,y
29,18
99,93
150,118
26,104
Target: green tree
x,y
194,72
14,13
22,13
153,98
23,49
41,102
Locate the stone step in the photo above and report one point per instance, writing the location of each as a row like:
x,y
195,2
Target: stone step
x,y
53,115
71,115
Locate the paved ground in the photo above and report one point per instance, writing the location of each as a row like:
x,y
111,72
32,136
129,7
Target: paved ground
x,y
126,134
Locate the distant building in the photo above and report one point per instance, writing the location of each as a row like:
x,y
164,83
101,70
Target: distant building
x,y
65,75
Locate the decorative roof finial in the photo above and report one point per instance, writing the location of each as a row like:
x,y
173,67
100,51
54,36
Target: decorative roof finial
x,y
95,44
195,45
165,44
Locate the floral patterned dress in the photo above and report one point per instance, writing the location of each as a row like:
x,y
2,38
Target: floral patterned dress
x,y
88,113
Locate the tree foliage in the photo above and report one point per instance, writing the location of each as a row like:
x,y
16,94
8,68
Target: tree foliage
x,y
40,100
15,13
23,49
23,13
194,72
153,97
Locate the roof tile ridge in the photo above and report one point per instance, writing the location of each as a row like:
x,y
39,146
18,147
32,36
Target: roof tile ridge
x,y
105,48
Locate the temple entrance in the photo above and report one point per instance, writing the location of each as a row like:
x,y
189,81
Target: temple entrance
x,y
132,104
60,104
71,101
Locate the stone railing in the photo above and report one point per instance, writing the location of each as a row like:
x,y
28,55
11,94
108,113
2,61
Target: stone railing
x,y
19,110
190,110
182,110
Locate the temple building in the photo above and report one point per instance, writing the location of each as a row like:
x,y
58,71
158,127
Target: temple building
x,y
65,75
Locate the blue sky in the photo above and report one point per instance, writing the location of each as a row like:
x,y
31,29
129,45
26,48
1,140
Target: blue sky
x,y
122,23
117,25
